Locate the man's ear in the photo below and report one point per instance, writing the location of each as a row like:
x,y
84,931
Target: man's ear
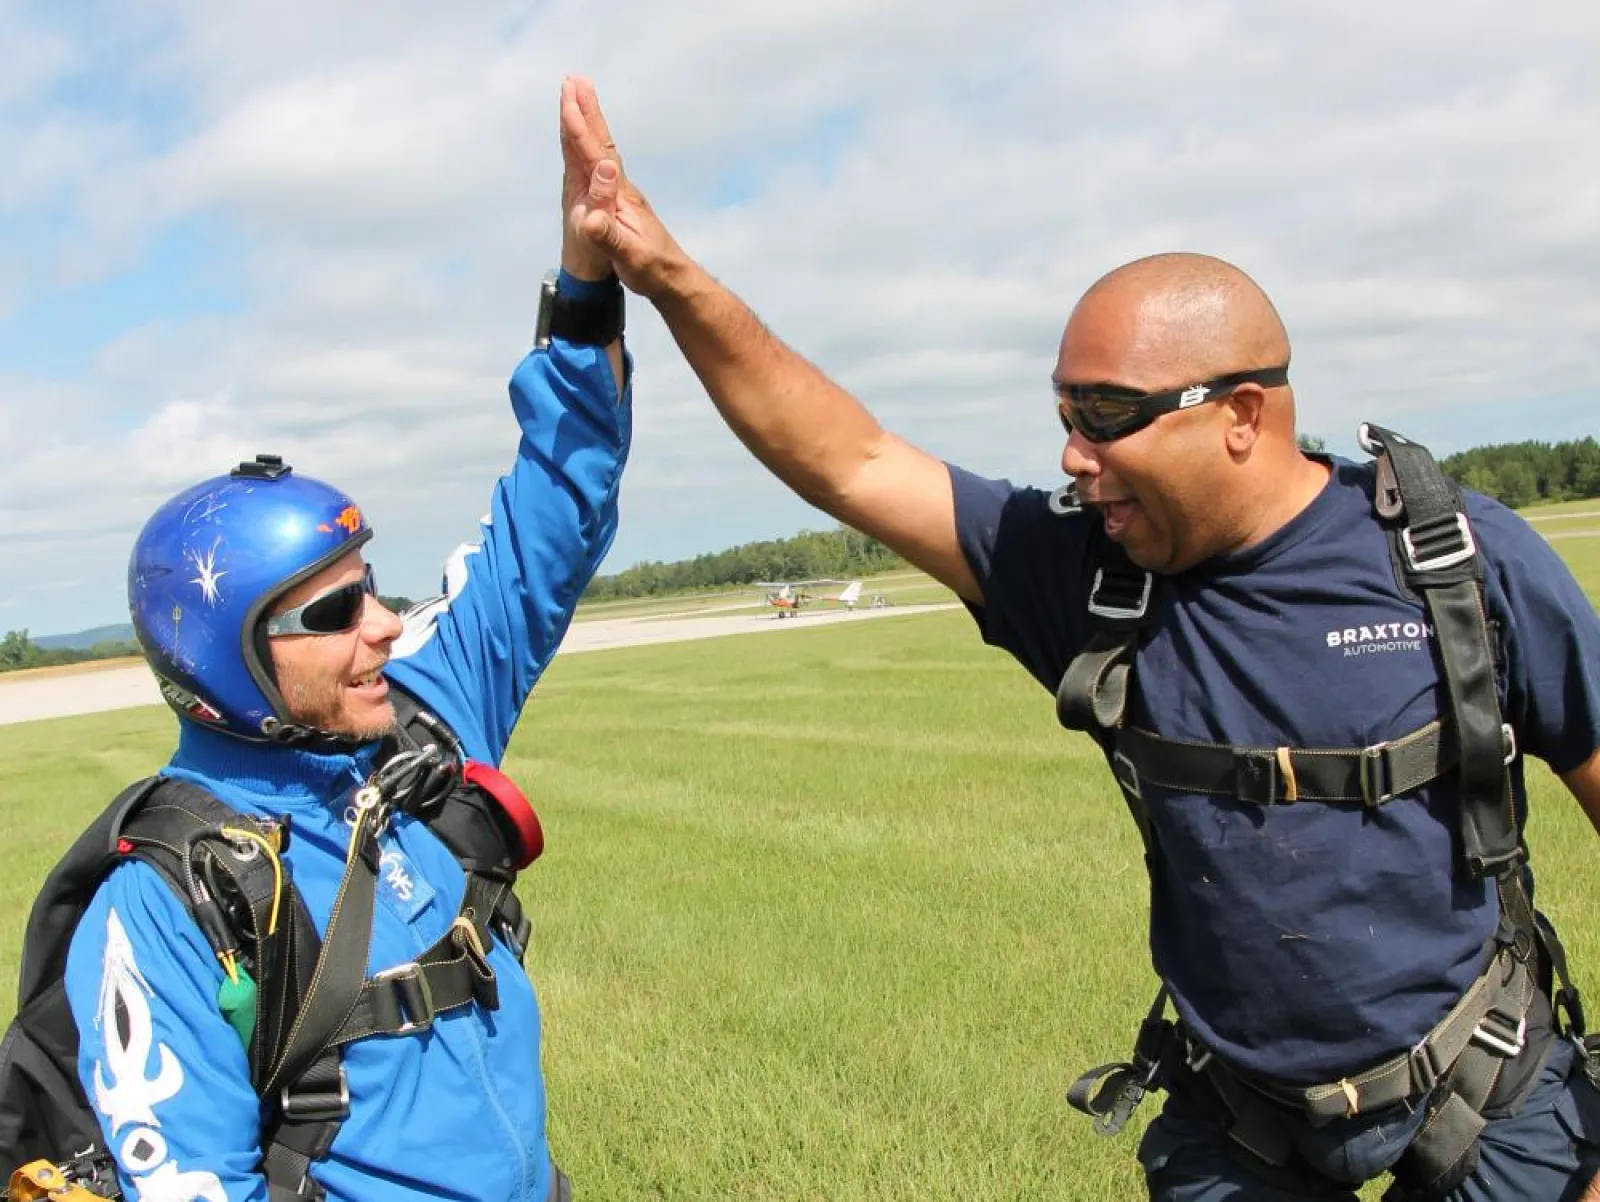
x,y
1245,407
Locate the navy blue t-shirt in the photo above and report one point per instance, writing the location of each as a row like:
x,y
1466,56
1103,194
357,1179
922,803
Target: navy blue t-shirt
x,y
1308,941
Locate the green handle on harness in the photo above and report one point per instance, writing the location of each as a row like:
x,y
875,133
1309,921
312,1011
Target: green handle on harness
x,y
236,999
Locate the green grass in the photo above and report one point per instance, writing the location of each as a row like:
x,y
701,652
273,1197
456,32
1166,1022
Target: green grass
x,y
838,914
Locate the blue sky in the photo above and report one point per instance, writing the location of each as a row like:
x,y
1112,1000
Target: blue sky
x,y
319,229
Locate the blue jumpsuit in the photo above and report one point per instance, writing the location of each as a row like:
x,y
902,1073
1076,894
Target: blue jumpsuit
x,y
458,1110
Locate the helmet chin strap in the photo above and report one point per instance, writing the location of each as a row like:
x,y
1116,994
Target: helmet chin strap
x,y
309,738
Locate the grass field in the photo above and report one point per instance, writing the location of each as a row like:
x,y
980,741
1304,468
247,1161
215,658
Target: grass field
x,y
833,915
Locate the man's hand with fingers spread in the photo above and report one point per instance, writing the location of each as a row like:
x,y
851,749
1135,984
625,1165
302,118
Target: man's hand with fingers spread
x,y
610,215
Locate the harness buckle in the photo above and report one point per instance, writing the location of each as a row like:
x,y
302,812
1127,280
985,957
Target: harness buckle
x,y
1127,775
1374,774
1448,541
316,1105
1425,1073
1568,1002
412,993
516,934
1496,1032
1115,608
1255,777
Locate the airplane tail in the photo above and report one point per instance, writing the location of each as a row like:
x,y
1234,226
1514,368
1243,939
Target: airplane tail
x,y
852,594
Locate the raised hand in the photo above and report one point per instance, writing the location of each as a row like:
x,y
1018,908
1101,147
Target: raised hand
x,y
579,255
604,210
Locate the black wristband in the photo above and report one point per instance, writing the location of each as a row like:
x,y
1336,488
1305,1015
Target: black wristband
x,y
579,311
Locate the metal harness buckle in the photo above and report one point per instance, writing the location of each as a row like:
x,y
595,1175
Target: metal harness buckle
x,y
412,993
1110,609
316,1106
1496,1032
1456,550
1373,775
1425,1073
1127,775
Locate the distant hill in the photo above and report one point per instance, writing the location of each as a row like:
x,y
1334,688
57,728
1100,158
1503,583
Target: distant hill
x,y
82,640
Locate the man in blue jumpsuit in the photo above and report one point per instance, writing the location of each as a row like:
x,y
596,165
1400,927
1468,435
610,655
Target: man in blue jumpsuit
x,y
256,609
1300,943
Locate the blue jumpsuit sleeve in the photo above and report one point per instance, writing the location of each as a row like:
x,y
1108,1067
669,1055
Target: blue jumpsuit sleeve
x,y
473,654
165,1074
1550,639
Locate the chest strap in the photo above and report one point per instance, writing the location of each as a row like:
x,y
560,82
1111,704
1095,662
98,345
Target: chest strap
x,y
1284,775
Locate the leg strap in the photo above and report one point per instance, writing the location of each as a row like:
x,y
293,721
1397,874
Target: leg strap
x,y
1484,1029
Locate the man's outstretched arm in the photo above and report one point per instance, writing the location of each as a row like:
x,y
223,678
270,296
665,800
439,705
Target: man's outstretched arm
x,y
816,437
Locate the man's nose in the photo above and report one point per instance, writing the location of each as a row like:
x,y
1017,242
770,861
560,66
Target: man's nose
x,y
379,623
1080,457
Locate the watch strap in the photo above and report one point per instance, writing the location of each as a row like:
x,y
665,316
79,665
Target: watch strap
x,y
586,312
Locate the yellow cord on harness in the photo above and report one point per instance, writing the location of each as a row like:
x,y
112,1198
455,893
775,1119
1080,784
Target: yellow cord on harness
x,y
235,832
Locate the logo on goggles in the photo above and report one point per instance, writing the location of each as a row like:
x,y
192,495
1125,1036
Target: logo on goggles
x,y
1193,396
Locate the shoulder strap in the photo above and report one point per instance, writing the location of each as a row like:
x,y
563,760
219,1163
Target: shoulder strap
x,y
67,890
1438,559
1093,694
1096,688
480,815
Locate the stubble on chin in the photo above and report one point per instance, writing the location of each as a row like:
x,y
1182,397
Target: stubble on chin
x,y
323,709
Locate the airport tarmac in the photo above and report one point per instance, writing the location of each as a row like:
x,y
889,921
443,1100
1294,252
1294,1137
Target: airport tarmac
x,y
85,689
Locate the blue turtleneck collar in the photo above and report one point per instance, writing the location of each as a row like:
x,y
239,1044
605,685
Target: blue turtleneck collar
x,y
274,774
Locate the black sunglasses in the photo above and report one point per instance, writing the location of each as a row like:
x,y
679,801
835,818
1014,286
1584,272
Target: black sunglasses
x,y
331,612
1104,412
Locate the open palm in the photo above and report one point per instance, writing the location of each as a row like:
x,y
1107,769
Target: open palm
x,y
603,207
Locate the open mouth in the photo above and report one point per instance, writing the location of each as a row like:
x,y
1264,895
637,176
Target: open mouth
x,y
1118,515
373,680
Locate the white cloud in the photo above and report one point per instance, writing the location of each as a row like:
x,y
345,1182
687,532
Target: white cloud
x,y
912,195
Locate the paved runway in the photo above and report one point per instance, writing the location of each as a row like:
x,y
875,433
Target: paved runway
x,y
56,693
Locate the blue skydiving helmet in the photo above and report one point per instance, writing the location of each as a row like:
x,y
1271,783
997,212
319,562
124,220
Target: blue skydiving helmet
x,y
206,568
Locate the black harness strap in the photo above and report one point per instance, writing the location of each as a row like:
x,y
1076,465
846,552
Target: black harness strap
x,y
1285,775
453,973
1096,689
1438,560
244,906
1111,1093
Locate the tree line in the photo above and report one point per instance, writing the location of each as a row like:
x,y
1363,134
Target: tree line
x,y
17,650
1521,473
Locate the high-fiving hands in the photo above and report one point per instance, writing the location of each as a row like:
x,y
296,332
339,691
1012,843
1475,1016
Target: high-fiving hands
x,y
579,255
605,212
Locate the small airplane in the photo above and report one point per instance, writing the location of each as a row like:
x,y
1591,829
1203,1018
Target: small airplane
x,y
789,596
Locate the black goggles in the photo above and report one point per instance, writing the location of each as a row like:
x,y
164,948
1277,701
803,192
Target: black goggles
x,y
1103,412
332,612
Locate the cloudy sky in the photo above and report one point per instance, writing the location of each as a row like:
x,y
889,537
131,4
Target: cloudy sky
x,y
318,229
